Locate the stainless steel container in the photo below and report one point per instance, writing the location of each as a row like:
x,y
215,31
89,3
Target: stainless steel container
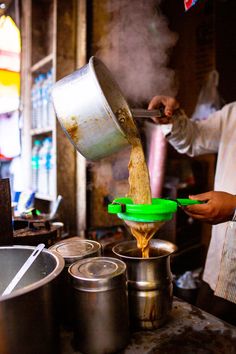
x,y
75,248
27,315
150,288
91,108
101,305
72,249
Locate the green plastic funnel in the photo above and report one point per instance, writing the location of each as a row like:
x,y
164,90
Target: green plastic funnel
x,y
160,209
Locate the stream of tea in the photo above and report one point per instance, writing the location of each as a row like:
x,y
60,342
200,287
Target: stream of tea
x,y
139,183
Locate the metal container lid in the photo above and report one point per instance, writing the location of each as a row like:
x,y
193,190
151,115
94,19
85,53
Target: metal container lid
x,y
75,248
98,274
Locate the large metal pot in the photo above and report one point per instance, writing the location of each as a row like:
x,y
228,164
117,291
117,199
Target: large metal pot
x,y
91,109
150,288
28,314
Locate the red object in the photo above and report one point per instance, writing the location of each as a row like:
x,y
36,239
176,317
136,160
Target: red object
x,y
5,158
189,3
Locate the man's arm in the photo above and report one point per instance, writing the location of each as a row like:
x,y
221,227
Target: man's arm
x,y
186,136
218,207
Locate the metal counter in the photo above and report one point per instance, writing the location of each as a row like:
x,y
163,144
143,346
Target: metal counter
x,y
188,331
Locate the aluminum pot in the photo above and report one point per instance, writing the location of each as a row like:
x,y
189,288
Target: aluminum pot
x,y
91,109
28,314
150,288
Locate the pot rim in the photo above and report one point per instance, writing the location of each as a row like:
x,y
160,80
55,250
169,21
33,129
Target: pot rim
x,y
26,289
133,242
107,105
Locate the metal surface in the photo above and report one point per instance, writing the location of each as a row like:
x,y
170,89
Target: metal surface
x,y
72,250
97,274
150,287
145,113
13,283
153,113
101,307
189,330
27,314
90,107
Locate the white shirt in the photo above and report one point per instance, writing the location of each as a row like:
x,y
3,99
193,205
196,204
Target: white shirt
x,y
217,134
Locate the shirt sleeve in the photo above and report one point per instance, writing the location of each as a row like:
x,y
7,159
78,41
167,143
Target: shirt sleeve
x,y
195,137
234,216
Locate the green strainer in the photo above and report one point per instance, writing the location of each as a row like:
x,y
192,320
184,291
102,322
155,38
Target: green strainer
x,y
160,209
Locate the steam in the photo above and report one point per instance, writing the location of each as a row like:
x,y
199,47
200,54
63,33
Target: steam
x,y
137,47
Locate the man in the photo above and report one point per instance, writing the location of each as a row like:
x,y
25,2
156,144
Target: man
x,y
217,134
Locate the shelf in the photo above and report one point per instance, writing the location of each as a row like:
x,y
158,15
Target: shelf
x,y
44,197
40,131
41,63
47,53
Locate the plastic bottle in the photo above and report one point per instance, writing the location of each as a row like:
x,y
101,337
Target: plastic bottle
x,y
51,113
46,168
35,164
49,167
44,93
39,101
36,102
33,103
42,176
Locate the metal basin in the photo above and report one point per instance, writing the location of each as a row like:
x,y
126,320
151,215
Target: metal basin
x,y
28,315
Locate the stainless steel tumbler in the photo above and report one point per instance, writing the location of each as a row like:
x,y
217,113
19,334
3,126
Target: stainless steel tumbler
x,y
150,288
101,305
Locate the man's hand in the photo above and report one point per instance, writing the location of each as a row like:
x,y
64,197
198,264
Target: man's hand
x,y
218,207
170,106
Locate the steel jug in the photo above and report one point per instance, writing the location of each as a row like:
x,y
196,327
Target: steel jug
x,y
150,288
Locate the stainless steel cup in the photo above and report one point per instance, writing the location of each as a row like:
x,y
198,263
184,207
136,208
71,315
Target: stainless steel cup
x,y
71,249
101,305
150,287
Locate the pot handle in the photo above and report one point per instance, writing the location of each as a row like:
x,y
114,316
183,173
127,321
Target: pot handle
x,y
187,201
116,208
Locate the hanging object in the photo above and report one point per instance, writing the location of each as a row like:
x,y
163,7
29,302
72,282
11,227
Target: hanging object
x,y
10,45
209,99
10,48
189,3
